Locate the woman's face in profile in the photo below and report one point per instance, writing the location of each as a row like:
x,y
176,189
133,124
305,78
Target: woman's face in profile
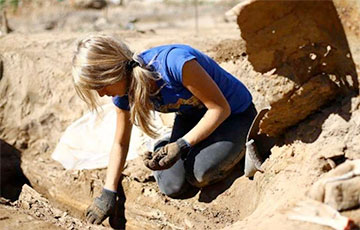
x,y
117,89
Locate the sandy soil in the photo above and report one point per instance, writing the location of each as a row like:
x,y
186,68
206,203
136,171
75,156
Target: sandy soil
x,y
38,102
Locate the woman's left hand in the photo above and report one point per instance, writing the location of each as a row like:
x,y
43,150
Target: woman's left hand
x,y
166,156
102,207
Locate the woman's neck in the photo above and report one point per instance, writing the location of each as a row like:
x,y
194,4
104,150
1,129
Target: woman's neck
x,y
154,87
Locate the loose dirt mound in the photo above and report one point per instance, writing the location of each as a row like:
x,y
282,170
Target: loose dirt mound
x,y
229,50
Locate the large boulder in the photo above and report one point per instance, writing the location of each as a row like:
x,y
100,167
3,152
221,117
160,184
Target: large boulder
x,y
302,50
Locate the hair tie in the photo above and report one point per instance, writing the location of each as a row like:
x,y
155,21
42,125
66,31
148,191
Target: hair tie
x,y
132,64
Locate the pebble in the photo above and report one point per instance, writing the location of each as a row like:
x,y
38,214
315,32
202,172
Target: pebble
x,y
25,205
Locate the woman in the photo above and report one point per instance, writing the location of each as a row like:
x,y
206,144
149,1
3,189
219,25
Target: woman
x,y
213,109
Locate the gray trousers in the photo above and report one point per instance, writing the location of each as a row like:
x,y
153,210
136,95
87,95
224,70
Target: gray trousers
x,y
210,160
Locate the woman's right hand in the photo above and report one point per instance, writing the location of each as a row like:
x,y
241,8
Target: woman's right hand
x,y
166,156
102,207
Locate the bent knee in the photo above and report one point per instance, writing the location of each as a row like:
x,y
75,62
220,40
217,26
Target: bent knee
x,y
202,179
172,188
173,191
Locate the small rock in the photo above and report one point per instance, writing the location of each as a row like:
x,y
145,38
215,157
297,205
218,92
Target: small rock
x,y
94,4
57,213
4,201
25,205
50,25
312,56
64,214
343,195
149,192
188,223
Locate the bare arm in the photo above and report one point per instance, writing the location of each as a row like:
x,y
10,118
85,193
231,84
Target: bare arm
x,y
202,86
119,149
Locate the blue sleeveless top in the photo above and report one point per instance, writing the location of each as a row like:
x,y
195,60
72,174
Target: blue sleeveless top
x,y
168,61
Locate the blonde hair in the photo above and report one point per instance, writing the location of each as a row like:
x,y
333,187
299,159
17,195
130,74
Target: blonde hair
x,y
102,60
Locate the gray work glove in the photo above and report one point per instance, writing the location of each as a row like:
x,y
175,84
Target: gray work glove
x,y
102,207
166,156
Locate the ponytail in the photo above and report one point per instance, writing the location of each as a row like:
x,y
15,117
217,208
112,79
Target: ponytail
x,y
139,98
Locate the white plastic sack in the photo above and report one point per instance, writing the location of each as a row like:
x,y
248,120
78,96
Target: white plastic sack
x,y
87,142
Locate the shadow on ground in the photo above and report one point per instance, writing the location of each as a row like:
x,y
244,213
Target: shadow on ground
x,y
12,177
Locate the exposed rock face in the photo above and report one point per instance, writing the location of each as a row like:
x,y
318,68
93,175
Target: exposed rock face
x,y
303,41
